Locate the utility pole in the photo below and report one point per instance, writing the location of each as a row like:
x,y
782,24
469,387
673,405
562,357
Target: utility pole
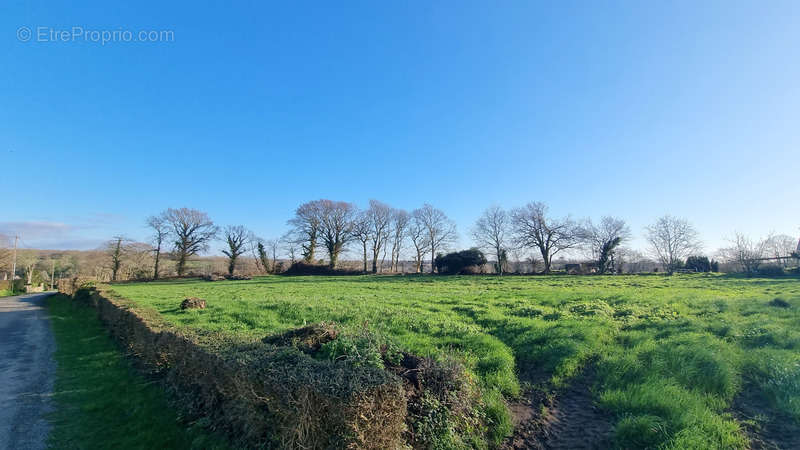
x,y
14,264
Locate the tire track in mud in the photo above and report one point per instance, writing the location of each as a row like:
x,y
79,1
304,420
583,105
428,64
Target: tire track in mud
x,y
561,420
765,427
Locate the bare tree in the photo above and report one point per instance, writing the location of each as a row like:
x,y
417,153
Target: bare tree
x,y
237,238
379,219
306,228
439,229
361,233
745,252
160,227
532,228
192,231
604,239
419,239
138,261
272,247
383,254
781,246
335,227
400,219
671,240
290,247
491,233
115,250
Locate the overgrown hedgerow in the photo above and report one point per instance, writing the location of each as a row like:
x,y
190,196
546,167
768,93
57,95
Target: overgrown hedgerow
x,y
267,396
313,387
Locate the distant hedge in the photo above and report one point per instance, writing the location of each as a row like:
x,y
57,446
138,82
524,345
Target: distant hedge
x,y
5,285
303,268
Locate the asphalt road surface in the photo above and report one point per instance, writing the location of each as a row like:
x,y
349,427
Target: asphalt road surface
x,y
27,370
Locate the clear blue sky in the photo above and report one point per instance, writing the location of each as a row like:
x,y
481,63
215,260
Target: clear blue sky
x,y
634,109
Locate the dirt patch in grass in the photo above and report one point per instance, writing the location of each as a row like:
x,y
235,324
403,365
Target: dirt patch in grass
x,y
308,339
766,427
562,419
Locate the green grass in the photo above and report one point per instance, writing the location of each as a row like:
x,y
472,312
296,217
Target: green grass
x,y
670,352
100,400
5,293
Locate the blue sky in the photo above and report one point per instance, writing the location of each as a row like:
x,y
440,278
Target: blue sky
x,y
633,109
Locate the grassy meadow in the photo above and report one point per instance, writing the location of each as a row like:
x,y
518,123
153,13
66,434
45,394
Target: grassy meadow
x,y
670,354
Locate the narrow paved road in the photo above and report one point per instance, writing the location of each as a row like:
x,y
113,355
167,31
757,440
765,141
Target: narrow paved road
x,y
27,370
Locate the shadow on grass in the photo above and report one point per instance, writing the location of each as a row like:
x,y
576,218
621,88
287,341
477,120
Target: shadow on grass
x,y
101,401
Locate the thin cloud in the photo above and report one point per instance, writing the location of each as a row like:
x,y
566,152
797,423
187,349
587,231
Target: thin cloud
x,y
48,235
36,229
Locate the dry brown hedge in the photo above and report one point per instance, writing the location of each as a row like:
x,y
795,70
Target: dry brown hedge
x,y
265,395
19,285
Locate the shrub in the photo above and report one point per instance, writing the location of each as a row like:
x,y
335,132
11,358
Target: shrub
x,y
458,262
698,263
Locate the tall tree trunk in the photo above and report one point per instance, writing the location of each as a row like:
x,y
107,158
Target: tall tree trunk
x,y
545,259
155,269
498,251
374,262
334,258
365,257
309,253
181,263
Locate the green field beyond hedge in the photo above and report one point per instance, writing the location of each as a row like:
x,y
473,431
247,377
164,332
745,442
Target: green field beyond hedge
x,y
670,353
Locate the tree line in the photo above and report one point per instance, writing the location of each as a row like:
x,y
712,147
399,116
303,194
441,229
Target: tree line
x,y
320,231
323,229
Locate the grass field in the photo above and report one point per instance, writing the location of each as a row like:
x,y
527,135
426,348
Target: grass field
x,y
669,354
102,402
